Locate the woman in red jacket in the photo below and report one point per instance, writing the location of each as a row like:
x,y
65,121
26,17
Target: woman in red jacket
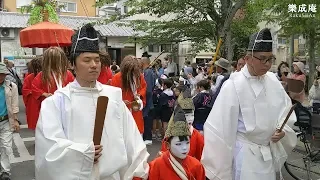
x,y
54,74
134,88
106,73
29,101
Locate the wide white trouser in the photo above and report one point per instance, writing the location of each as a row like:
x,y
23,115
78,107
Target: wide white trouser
x,y
5,145
252,161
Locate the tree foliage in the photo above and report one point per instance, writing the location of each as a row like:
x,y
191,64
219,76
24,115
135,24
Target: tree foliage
x,y
202,22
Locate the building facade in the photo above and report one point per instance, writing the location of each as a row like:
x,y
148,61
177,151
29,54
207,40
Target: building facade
x,y
70,7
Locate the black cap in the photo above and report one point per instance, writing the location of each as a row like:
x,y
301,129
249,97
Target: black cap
x,y
85,40
261,41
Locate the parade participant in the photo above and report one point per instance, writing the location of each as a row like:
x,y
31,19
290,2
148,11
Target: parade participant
x,y
157,125
64,134
106,73
175,163
196,140
133,87
29,101
241,136
166,103
54,75
9,108
202,103
150,78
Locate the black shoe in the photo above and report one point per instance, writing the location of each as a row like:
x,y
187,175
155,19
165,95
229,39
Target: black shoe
x,y
5,176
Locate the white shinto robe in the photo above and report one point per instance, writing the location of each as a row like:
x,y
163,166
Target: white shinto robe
x,y
64,137
238,130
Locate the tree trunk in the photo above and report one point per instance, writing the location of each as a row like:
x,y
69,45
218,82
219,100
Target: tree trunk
x,y
225,30
311,57
229,46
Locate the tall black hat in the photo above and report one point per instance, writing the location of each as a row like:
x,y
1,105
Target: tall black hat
x,y
85,40
261,41
145,54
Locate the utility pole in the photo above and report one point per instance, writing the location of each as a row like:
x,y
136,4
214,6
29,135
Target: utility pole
x,y
291,52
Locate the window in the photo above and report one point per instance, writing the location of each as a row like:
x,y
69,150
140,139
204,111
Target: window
x,y
68,7
125,9
153,48
23,3
166,47
282,40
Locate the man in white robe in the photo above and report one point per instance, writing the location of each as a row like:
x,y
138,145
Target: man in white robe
x,y
241,137
64,134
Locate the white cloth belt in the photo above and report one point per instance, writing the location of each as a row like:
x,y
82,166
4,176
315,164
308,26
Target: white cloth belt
x,y
268,152
257,149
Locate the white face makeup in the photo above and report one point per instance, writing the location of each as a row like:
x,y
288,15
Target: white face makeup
x,y
179,149
190,118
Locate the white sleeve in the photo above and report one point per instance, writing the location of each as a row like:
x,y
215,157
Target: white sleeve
x,y
220,131
137,153
57,157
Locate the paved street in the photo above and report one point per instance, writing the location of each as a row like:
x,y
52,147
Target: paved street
x,y
23,153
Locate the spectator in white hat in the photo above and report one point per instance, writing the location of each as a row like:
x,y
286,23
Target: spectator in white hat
x,y
298,74
222,69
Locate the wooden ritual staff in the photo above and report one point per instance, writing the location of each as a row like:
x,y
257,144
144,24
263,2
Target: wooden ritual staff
x,y
102,106
287,117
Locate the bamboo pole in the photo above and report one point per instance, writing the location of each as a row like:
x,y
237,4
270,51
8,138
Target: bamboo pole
x,y
215,55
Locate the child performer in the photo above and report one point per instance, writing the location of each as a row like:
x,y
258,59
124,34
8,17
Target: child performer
x,y
166,102
202,103
175,163
156,110
196,141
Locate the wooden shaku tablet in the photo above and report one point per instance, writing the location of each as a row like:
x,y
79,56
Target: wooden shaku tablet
x,y
102,105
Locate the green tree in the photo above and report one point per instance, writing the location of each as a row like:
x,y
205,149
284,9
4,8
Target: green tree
x,y
203,22
292,25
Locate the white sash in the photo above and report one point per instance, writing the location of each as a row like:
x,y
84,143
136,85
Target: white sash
x,y
58,83
133,86
178,168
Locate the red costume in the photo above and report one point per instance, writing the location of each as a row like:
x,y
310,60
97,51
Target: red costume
x,y
161,168
32,105
196,145
38,88
105,75
128,96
